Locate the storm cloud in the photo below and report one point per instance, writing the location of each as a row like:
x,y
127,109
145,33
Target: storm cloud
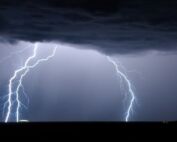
x,y
114,26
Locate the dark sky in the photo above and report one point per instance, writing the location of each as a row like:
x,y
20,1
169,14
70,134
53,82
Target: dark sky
x,y
81,84
119,26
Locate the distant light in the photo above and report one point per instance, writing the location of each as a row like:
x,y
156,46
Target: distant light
x,y
24,121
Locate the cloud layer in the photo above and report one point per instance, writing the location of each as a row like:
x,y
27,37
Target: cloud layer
x,y
113,26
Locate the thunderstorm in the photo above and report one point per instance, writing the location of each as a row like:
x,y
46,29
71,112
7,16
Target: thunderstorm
x,y
23,72
13,105
129,85
88,60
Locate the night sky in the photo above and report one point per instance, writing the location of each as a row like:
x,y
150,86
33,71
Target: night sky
x,y
79,84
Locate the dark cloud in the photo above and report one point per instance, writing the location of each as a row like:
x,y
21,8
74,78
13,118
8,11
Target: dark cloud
x,y
112,26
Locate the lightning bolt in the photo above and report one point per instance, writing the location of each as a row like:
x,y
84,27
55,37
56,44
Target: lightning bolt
x,y
129,85
23,71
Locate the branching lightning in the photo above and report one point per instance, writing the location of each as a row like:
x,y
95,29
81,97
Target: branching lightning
x,y
14,104
129,85
21,73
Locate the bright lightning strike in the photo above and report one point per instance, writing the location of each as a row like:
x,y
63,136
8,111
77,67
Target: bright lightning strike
x,y
129,85
23,72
